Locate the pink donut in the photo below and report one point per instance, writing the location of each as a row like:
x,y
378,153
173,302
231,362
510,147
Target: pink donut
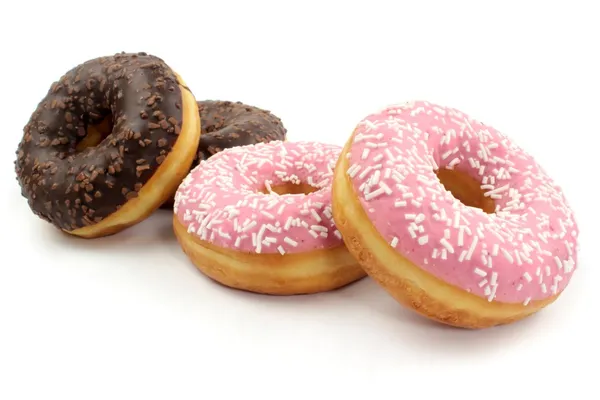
x,y
452,217
258,217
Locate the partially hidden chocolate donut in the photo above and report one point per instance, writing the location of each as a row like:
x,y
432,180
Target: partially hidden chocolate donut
x,y
226,124
108,144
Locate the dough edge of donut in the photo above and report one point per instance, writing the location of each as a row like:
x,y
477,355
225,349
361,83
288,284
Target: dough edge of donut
x,y
165,180
405,281
271,273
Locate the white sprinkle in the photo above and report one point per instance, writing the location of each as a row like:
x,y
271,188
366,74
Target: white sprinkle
x,y
447,245
453,163
443,214
447,233
365,154
376,193
237,241
527,277
480,232
411,230
353,170
493,293
267,214
494,280
394,242
487,291
315,215
251,225
419,218
389,154
444,254
544,289
375,177
462,256
568,246
527,300
291,242
461,234
423,239
519,287
318,228
483,282
385,188
281,250
495,249
507,255
456,219
313,234
472,247
365,172
399,203
480,272
558,262
569,265
268,186
518,256
337,234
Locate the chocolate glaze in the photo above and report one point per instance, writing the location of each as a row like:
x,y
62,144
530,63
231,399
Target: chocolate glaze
x,y
71,188
226,124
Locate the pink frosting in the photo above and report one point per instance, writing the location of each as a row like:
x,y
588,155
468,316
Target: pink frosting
x,y
524,251
220,200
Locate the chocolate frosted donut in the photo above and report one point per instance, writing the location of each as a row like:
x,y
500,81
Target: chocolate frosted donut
x,y
109,139
229,124
226,124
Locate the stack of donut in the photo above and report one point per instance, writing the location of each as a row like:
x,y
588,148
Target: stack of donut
x,y
447,214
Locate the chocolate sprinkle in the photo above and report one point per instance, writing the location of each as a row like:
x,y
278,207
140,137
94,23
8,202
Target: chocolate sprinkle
x,y
73,188
226,124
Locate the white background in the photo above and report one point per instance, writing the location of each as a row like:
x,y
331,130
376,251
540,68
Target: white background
x,y
128,317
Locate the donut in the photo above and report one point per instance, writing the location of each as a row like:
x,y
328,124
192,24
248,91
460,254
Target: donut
x,y
258,218
226,124
451,217
107,145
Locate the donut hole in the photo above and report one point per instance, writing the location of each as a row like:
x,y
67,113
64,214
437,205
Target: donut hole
x,y
96,133
466,189
290,188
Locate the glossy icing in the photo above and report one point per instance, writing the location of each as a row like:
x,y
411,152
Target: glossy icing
x,y
526,250
221,202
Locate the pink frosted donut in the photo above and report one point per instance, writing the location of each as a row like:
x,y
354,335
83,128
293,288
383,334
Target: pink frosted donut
x,y
258,218
452,217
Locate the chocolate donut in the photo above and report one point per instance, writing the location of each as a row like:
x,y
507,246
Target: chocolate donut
x,y
226,124
109,139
